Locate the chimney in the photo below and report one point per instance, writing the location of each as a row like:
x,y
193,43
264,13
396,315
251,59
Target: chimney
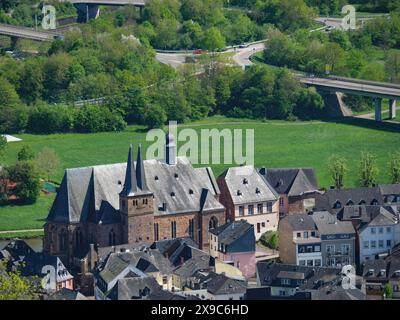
x,y
170,149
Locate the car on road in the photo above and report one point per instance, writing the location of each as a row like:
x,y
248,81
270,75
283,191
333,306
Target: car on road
x,y
329,28
198,51
244,45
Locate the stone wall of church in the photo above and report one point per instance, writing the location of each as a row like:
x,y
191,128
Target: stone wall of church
x,y
182,225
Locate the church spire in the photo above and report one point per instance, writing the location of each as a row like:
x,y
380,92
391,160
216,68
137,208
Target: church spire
x,y
140,173
130,185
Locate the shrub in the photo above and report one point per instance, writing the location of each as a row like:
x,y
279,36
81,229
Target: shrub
x,y
270,239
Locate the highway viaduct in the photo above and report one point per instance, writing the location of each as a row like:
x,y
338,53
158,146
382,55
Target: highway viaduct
x,y
376,90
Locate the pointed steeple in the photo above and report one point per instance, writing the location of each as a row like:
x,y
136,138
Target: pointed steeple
x,y
140,174
130,185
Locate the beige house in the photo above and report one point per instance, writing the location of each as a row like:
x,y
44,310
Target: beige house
x,y
246,195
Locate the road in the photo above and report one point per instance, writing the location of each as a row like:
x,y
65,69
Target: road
x,y
26,33
241,55
367,88
337,22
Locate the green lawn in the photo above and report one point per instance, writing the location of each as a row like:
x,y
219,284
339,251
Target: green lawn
x,y
17,217
277,144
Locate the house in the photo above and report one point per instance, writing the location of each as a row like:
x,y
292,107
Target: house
x,y
235,243
297,188
133,202
338,240
49,270
377,227
333,200
378,235
382,271
303,283
299,241
67,294
187,269
130,264
212,286
391,194
246,195
6,187
140,288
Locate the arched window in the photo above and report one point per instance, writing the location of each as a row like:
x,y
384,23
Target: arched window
x,y
62,240
111,238
213,223
337,205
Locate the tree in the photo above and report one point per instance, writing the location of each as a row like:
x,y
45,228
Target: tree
x,y
13,286
213,39
155,117
392,66
26,176
368,171
337,168
3,145
395,168
48,162
26,153
388,291
270,239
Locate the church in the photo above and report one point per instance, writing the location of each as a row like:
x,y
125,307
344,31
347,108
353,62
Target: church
x,y
136,202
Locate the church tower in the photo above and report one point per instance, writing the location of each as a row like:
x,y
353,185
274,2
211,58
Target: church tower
x,y
136,203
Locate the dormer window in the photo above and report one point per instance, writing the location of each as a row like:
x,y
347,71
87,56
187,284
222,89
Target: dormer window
x,y
172,194
374,202
245,181
258,191
382,273
176,176
190,191
156,178
239,193
361,203
119,182
337,205
350,203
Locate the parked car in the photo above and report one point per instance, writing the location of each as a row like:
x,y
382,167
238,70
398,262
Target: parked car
x,y
244,45
198,51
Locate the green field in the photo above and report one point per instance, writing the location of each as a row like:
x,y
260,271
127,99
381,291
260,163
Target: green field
x,y
277,144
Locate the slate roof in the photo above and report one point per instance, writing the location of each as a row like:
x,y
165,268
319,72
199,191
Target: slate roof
x,y
233,231
219,284
133,288
67,294
92,193
196,263
144,262
246,185
34,263
389,189
369,215
326,201
17,249
292,182
312,278
301,221
328,224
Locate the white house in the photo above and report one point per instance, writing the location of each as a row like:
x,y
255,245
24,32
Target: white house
x,y
379,235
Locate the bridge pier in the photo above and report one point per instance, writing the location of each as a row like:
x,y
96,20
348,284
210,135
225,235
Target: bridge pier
x,y
392,108
87,12
378,109
14,42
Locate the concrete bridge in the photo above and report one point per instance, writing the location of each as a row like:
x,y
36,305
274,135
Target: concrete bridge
x,y
376,90
16,33
89,9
